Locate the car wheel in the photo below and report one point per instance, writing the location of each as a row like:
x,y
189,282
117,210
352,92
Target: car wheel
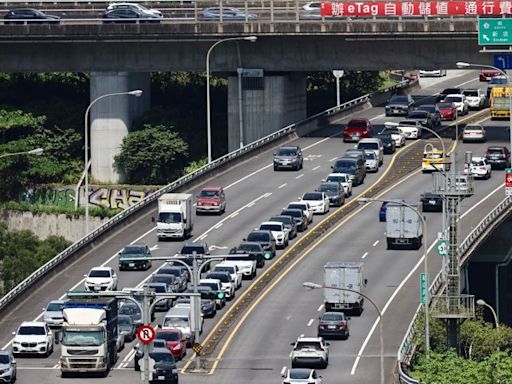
x,y
276,168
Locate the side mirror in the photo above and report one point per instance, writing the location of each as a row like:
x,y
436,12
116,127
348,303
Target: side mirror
x,y
349,318
274,153
44,309
153,219
292,343
244,239
332,167
328,344
355,146
14,362
365,281
319,317
13,333
85,275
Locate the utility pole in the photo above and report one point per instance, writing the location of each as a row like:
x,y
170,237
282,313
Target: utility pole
x,y
146,316
196,301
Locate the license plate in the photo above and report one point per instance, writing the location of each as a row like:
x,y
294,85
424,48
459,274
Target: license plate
x,y
131,264
331,327
161,378
401,240
97,287
431,201
396,111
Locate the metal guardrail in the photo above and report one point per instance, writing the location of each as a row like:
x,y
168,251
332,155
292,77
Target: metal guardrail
x,y
404,353
216,164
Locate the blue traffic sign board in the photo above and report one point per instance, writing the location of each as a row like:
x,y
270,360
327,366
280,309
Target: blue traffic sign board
x,y
503,61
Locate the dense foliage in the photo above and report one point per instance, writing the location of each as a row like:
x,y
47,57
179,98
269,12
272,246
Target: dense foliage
x,y
22,253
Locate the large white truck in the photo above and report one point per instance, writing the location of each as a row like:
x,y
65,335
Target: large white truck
x,y
174,216
88,336
403,226
346,275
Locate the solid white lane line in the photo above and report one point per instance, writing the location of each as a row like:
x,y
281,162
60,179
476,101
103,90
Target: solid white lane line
x,y
420,262
301,175
320,308
218,226
283,370
250,204
334,158
314,169
233,215
311,321
365,254
377,242
282,186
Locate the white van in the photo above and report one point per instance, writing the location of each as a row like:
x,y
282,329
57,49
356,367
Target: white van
x,y
372,144
182,319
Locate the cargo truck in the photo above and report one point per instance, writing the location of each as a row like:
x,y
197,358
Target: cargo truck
x,y
403,226
174,216
343,274
88,336
499,102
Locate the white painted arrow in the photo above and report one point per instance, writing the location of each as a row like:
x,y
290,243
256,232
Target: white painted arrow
x,y
154,247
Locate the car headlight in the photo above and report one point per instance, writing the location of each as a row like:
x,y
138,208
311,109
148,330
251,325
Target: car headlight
x,y
15,343
41,343
2,371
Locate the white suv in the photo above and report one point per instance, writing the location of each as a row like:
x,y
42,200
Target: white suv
x,y
279,232
34,337
459,101
309,351
101,279
479,167
233,270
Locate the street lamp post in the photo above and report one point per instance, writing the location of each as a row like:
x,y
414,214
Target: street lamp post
x,y
252,39
136,93
381,331
462,64
35,152
365,200
483,303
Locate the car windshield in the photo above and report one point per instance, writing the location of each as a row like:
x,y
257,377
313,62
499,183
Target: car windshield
x,y
307,345
345,164
190,249
477,163
399,99
162,357
281,219
417,114
55,307
498,80
169,217
82,337
299,374
169,271
454,99
312,196
158,288
220,276
292,213
391,130
470,93
271,227
495,151
31,330
256,236
287,152
357,124
176,321
208,193
99,273
129,309
169,336
444,106
447,91
386,139
213,286
428,108
473,128
332,317
352,153
161,279
223,268
4,359
369,155
368,146
134,250
328,188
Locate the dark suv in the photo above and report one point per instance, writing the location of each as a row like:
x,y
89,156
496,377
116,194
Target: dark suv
x,y
265,238
201,248
298,215
399,105
288,157
335,191
251,249
498,157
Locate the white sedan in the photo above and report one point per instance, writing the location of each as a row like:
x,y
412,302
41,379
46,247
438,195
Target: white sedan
x,y
279,232
459,101
101,279
343,179
479,167
302,375
319,201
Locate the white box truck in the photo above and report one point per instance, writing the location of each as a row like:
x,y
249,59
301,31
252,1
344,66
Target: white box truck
x,y
343,274
403,227
174,216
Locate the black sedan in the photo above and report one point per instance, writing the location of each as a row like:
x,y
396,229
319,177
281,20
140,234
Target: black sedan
x,y
29,16
333,324
424,117
388,143
434,113
335,191
127,15
431,202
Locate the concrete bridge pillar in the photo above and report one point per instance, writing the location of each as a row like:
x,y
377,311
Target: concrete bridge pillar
x,y
269,103
111,118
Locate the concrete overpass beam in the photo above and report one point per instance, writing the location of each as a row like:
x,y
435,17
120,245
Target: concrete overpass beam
x,y
268,104
111,118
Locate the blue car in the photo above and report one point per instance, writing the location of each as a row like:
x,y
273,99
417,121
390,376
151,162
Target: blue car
x,y
228,13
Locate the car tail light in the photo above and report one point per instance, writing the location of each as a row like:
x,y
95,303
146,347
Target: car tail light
x,y
342,325
482,168
177,347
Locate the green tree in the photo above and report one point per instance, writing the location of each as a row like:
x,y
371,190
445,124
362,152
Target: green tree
x,y
155,155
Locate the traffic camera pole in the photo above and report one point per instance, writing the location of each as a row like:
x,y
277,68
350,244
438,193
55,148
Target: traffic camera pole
x,y
196,303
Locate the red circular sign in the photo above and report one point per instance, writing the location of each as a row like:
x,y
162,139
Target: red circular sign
x,y
146,334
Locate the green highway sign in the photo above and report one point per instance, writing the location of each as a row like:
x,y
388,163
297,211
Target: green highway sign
x,y
423,288
495,32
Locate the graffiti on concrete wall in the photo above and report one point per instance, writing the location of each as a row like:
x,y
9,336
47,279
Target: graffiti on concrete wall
x,y
116,198
50,196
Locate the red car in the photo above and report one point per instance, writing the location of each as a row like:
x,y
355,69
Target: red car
x,y
447,110
176,342
488,74
357,129
211,199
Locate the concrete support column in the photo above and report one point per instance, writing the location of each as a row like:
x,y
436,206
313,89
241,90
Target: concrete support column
x,y
267,106
111,118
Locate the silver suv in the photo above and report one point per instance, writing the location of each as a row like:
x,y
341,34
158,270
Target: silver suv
x,y
310,351
288,157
